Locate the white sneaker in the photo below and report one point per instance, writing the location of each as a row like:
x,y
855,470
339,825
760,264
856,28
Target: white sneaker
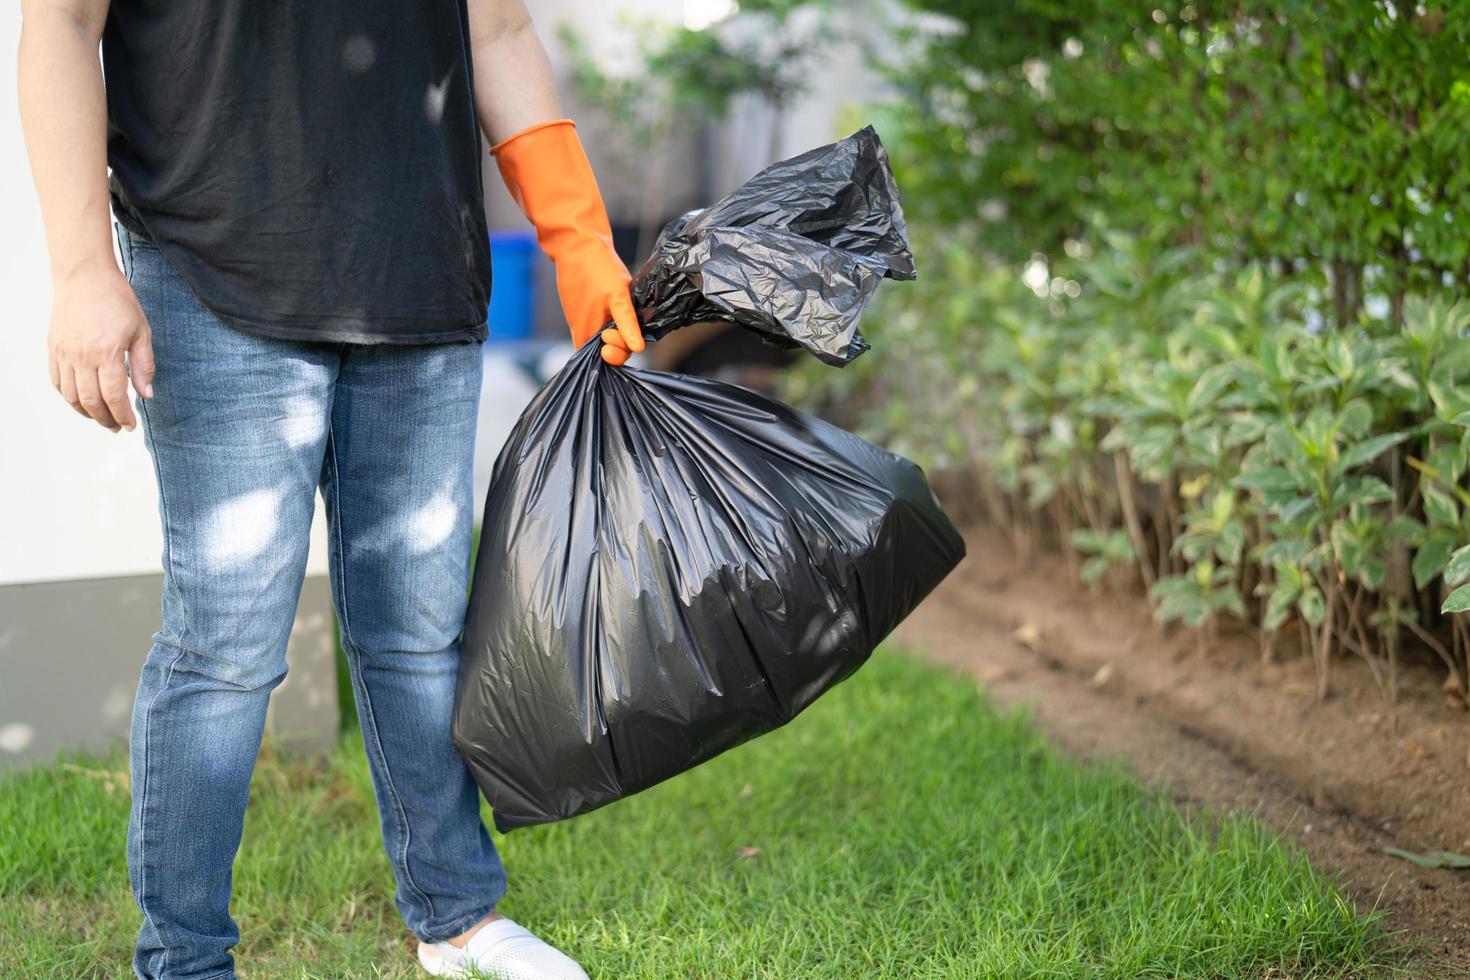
x,y
500,950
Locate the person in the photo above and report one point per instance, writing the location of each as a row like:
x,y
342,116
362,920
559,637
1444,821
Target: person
x,y
305,273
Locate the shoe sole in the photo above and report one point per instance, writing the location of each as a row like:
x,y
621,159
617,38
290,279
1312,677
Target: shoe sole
x,y
436,965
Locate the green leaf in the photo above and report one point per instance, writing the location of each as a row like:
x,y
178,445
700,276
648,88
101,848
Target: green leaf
x,y
1094,569
1229,600
1458,569
1458,601
1363,491
1430,559
1440,507
1433,859
1273,482
1086,540
1279,605
1356,418
1368,450
1290,574
1403,527
1231,543
1118,546
1372,574
1297,511
1446,463
1313,608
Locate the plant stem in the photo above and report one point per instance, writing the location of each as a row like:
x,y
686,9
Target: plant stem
x,y
1123,477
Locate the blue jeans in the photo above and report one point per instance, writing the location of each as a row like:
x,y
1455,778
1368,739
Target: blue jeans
x,y
242,430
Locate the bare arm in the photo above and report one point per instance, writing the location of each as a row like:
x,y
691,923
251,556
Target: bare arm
x,y
95,318
549,176
513,84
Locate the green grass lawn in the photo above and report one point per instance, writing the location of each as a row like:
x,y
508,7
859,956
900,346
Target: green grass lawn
x,y
900,828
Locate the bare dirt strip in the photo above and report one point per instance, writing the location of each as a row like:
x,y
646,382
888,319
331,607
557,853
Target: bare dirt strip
x,y
1344,778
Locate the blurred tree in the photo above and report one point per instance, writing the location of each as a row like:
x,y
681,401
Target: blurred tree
x,y
688,77
1326,137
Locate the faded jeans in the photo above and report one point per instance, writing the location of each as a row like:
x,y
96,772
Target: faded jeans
x,y
243,429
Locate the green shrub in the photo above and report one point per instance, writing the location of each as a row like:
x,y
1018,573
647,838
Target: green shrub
x,y
1190,434
1189,306
1323,139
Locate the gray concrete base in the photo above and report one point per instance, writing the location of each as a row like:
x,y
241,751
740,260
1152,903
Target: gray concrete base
x,y
71,651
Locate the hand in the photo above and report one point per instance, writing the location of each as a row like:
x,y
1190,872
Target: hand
x,y
547,173
593,284
95,321
616,346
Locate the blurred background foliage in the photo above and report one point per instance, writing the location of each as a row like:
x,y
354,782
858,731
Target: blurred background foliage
x,y
684,79
1323,138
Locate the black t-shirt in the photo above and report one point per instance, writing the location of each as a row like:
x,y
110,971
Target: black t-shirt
x,y
311,167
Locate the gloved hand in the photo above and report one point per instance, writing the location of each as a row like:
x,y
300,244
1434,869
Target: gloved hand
x,y
547,173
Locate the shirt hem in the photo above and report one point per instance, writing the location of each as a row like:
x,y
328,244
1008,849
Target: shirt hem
x,y
472,333
338,335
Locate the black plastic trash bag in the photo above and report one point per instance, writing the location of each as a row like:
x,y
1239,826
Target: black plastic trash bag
x,y
793,255
669,566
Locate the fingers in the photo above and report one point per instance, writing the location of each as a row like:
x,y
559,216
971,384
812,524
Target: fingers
x,y
621,308
89,397
68,388
140,363
99,335
614,351
112,380
625,336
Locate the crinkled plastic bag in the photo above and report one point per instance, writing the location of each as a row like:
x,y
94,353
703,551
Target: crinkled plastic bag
x,y
668,565
793,255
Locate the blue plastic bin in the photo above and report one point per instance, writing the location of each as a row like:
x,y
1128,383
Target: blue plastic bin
x,y
512,314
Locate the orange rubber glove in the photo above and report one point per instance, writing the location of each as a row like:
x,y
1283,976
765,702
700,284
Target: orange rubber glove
x,y
547,173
